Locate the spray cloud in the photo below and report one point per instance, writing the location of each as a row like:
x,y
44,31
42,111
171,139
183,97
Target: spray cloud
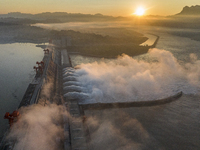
x,y
38,128
128,79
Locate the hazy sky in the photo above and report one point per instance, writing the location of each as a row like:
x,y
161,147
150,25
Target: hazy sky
x,y
106,7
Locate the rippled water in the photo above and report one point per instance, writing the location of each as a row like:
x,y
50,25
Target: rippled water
x,y
173,126
176,125
16,72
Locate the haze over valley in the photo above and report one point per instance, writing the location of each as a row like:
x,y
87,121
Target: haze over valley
x,y
114,60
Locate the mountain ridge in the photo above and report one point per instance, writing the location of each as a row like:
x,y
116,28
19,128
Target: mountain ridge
x,y
193,10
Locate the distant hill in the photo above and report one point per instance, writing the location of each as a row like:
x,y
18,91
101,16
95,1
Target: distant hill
x,y
16,15
58,17
193,10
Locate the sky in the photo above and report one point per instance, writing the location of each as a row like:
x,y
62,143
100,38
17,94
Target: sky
x,y
105,7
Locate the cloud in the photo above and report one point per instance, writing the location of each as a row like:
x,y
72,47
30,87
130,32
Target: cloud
x,y
193,70
38,128
129,79
115,129
122,79
81,25
46,90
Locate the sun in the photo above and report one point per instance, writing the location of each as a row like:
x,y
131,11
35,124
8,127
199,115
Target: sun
x,y
140,11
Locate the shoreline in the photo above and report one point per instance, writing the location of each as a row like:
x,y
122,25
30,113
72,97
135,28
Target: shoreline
x,y
114,57
96,56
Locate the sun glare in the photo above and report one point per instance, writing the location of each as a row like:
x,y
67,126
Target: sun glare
x,y
139,11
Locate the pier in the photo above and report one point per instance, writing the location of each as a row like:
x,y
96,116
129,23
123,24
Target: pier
x,y
32,93
100,106
77,137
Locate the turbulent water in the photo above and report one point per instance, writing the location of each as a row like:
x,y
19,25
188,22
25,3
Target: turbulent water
x,y
173,66
130,79
160,73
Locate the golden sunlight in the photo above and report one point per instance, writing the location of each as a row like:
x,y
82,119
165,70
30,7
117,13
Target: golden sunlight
x,y
139,11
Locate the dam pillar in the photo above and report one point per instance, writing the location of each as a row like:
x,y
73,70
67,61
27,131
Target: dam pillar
x,y
77,137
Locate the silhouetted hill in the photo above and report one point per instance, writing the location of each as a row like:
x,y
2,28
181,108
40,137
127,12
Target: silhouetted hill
x,y
16,15
58,17
193,10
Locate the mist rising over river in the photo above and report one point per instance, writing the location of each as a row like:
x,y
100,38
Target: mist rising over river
x,y
171,126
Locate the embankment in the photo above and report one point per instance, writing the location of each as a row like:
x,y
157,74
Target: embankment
x,y
111,51
131,104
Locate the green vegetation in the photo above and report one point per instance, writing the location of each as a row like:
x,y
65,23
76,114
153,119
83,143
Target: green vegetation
x,y
92,44
23,34
108,51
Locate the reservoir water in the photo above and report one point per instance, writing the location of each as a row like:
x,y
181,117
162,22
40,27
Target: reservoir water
x,y
16,72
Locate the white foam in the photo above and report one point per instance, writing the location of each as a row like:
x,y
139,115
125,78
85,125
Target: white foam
x,y
128,79
68,83
70,78
75,88
70,74
76,95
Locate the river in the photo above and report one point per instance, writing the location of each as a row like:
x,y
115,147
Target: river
x,y
173,126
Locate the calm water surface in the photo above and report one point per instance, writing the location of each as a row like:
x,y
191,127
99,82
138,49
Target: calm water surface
x,y
16,72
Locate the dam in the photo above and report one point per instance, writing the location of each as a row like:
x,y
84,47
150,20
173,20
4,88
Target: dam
x,y
58,67
55,60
